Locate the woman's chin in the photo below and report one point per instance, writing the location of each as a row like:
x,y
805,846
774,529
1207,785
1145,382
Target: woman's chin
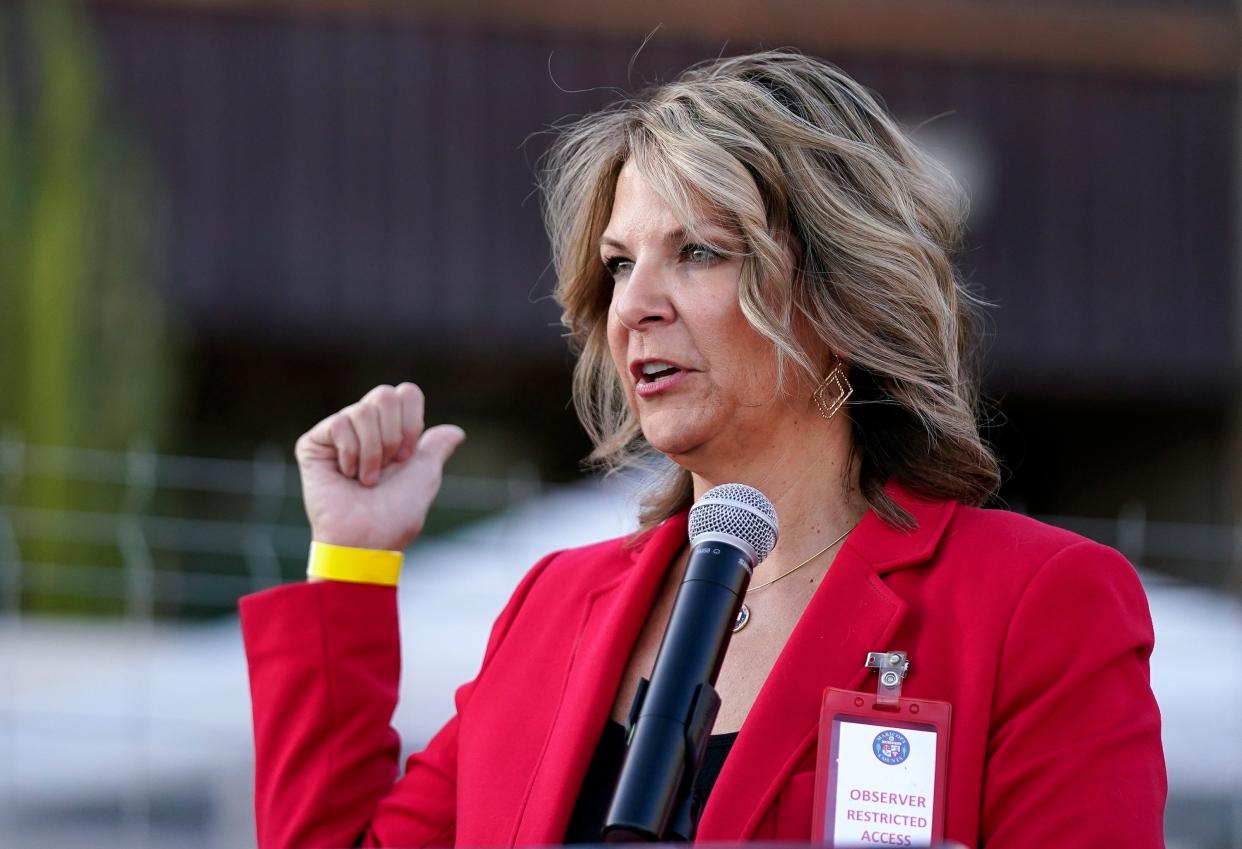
x,y
672,442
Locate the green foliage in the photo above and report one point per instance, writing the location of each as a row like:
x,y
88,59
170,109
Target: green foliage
x,y
86,358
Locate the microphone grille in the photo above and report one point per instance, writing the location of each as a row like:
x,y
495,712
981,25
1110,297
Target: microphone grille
x,y
740,511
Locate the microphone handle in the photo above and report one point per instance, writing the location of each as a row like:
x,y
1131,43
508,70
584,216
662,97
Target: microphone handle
x,y
672,715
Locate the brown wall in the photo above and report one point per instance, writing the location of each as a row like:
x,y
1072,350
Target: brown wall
x,y
362,180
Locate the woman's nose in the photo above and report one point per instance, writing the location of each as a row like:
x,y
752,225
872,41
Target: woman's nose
x,y
641,298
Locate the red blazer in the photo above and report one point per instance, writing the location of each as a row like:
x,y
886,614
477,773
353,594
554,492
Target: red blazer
x,y
1038,638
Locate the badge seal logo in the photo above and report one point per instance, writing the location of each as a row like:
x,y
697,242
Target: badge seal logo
x,y
891,747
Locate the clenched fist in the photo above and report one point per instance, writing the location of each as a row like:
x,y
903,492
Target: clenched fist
x,y
370,471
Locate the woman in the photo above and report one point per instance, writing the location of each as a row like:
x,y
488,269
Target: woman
x,y
755,264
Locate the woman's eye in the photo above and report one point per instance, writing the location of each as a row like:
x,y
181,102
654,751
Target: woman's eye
x,y
699,253
618,265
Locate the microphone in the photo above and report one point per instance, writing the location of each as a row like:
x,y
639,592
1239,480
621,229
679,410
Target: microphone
x,y
733,528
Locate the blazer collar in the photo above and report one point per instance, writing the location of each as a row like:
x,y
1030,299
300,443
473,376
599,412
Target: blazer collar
x,y
851,613
887,548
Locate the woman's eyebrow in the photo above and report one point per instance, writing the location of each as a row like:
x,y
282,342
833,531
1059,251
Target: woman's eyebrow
x,y
672,237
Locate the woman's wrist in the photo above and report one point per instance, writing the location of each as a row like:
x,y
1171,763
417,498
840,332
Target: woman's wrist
x,y
361,535
331,562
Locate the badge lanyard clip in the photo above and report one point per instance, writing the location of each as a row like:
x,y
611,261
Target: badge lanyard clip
x,y
893,668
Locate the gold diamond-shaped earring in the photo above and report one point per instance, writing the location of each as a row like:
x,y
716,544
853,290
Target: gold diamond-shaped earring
x,y
839,385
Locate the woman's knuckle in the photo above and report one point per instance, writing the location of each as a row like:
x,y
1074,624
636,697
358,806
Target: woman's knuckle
x,y
381,395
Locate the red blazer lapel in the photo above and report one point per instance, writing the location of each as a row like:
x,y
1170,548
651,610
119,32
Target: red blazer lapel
x,y
605,637
851,613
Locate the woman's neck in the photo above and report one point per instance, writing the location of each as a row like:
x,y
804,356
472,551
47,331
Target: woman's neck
x,y
811,479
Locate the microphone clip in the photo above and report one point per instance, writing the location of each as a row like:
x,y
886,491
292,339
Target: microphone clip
x,y
683,819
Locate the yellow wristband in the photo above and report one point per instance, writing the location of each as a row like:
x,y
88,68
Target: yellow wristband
x,y
356,565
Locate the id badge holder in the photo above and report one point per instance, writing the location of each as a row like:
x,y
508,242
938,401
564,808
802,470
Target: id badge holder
x,y
880,776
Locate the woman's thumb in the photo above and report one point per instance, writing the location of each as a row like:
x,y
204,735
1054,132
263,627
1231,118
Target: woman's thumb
x,y
438,443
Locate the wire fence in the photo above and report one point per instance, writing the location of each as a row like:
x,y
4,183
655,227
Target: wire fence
x,y
180,534
240,528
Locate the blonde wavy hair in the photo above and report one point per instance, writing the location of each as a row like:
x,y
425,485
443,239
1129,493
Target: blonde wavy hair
x,y
790,155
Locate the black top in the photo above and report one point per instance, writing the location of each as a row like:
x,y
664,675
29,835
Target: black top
x,y
586,823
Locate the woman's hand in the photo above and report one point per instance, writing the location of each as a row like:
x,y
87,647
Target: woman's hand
x,y
370,471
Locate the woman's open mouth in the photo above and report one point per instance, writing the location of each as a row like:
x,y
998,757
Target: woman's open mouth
x,y
656,376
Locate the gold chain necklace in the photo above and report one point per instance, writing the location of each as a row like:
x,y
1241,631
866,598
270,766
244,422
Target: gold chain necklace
x,y
743,614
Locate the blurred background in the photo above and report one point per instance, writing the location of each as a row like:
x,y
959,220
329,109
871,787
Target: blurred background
x,y
221,220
